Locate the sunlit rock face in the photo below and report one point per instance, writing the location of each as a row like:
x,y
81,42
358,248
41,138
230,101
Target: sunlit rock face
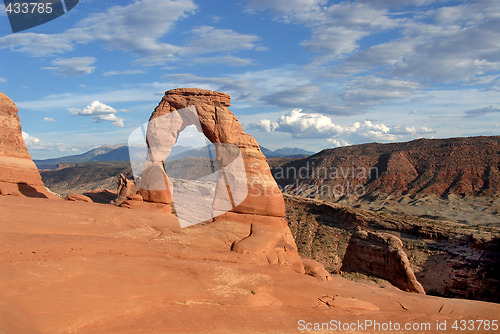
x,y
246,200
19,175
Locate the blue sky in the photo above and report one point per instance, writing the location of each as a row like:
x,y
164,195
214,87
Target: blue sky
x,y
312,74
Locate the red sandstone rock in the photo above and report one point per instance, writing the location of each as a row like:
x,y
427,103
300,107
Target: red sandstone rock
x,y
382,255
316,269
149,206
155,176
454,166
260,210
126,188
18,174
79,198
135,197
219,125
103,196
88,268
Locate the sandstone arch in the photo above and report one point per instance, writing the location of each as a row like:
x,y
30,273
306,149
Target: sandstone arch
x,y
208,111
258,219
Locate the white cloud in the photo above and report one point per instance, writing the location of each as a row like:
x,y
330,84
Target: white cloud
x,y
48,119
336,29
226,60
99,112
95,108
369,90
481,111
452,43
337,143
249,86
315,125
308,125
136,27
376,57
292,97
207,39
139,28
37,146
285,87
37,45
29,140
265,125
3,80
334,41
396,3
126,72
453,54
156,59
410,130
357,16
73,67
286,6
140,93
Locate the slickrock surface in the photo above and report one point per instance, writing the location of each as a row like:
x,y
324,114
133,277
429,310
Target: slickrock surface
x,y
18,174
75,267
79,198
381,254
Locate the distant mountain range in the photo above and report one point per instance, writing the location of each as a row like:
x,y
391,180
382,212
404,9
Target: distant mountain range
x,y
209,152
121,153
286,152
96,154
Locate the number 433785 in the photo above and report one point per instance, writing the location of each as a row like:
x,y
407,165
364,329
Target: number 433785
x,y
470,325
29,8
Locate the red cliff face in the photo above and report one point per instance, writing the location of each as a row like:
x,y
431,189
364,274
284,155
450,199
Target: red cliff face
x,y
18,174
458,166
381,254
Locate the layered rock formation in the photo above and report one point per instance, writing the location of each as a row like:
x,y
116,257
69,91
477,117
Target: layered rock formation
x,y
247,199
126,188
127,196
382,255
18,174
454,166
448,259
212,117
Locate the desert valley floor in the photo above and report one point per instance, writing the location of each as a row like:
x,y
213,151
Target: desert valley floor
x,y
75,267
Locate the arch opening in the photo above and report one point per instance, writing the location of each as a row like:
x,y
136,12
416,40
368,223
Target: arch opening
x,y
200,187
